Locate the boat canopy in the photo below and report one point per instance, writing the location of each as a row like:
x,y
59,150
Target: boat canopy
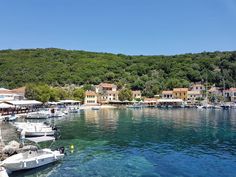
x,y
41,139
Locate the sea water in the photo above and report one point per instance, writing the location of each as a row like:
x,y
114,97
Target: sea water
x,y
145,142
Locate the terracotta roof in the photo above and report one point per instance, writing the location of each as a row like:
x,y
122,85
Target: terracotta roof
x,y
90,93
194,92
180,89
167,92
150,99
233,89
6,92
136,91
112,92
212,89
19,90
197,85
107,85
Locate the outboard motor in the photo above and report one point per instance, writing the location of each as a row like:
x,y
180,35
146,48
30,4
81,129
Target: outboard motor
x,y
61,150
54,128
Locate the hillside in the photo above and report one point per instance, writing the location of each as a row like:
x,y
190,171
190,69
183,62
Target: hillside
x,y
151,74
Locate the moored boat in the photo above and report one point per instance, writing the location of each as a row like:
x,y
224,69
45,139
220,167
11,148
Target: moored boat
x,y
33,159
11,117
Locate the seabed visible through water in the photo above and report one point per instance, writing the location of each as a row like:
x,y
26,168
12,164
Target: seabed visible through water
x,y
143,142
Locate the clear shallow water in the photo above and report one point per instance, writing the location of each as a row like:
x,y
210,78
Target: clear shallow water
x,y
146,142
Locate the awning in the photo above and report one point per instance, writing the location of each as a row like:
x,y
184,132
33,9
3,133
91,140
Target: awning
x,y
5,106
24,102
170,100
69,101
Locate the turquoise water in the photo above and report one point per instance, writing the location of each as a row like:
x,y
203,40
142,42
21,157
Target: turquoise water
x,y
146,142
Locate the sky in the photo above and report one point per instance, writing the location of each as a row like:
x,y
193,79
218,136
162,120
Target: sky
x,y
133,27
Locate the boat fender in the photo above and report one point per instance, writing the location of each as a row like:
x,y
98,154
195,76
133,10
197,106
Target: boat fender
x,y
37,161
25,165
55,157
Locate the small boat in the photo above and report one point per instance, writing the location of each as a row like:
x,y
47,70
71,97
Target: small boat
x,y
37,131
217,107
38,115
12,117
200,107
3,172
33,159
96,108
34,129
73,109
22,125
135,106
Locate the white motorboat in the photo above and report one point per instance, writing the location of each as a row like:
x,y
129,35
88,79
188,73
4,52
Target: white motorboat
x,y
27,125
38,115
96,108
33,159
73,109
11,117
34,129
135,105
57,114
37,131
217,107
3,172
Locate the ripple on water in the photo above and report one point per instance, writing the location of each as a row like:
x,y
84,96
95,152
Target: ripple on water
x,y
146,142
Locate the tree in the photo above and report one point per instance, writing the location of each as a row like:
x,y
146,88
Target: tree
x,y
79,94
125,94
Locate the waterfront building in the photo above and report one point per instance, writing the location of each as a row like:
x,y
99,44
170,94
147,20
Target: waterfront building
x,y
150,101
106,92
193,96
90,98
136,94
112,95
15,94
230,94
215,91
167,94
180,93
104,87
197,87
170,102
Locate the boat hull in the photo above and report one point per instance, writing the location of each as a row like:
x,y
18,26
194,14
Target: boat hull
x,y
34,162
51,133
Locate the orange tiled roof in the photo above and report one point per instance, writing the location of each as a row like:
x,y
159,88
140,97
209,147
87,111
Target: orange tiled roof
x,y
90,93
167,92
136,91
19,90
150,99
112,92
233,89
5,92
107,85
180,89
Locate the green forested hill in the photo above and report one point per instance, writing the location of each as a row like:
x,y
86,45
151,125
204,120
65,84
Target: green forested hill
x,y
152,74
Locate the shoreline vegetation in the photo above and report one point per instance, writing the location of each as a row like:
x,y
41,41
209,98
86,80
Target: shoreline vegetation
x,y
52,69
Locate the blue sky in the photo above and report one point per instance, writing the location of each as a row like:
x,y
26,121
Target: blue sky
x,y
148,27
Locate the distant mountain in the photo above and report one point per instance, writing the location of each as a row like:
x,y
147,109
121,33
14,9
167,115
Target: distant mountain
x,y
148,73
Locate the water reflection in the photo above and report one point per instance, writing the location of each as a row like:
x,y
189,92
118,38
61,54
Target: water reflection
x,y
148,142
